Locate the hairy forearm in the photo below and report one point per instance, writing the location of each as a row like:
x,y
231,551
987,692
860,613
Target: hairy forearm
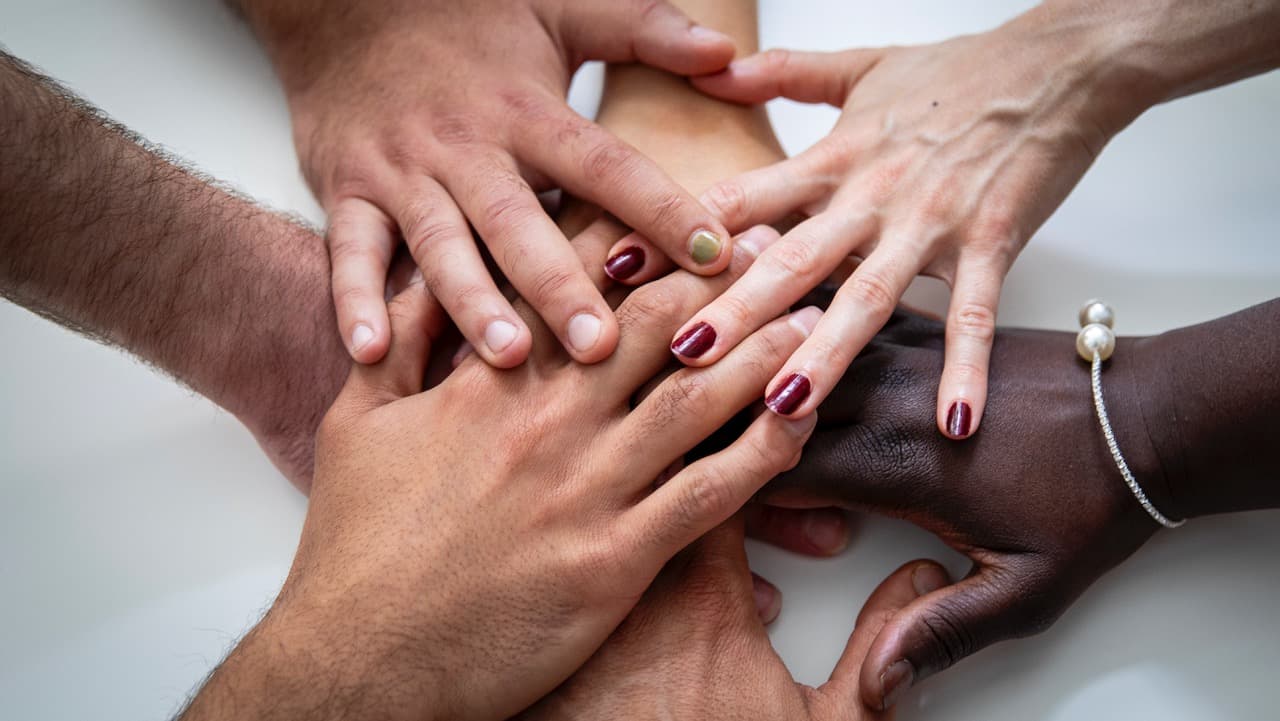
x,y
1210,397
105,236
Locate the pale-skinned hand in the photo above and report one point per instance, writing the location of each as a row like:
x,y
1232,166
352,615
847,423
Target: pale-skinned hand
x,y
416,121
945,159
476,542
694,649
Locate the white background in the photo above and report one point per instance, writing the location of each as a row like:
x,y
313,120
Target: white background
x,y
142,531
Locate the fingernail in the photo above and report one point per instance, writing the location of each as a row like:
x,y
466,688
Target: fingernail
x,y
584,331
499,334
704,247
625,264
768,600
360,337
894,682
805,319
928,578
705,34
789,395
416,277
959,416
827,531
755,240
695,341
461,354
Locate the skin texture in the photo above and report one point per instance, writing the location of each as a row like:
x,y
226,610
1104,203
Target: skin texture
x,y
573,529
413,119
693,649
113,240
1192,410
945,160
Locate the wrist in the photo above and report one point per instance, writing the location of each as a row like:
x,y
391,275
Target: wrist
x,y
1092,48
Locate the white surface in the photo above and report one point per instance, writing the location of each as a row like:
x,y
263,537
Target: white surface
x,y
143,532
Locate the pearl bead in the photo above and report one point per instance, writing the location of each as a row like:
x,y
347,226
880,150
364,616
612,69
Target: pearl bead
x,y
1095,311
1095,337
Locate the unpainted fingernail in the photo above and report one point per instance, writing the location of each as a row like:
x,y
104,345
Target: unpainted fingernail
x,y
706,34
584,331
755,240
499,335
768,599
826,530
799,427
695,342
789,394
927,578
805,319
361,336
959,418
416,277
461,354
894,682
705,247
625,263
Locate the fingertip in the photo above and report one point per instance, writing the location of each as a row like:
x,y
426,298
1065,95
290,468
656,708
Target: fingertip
x,y
366,344
503,342
768,599
591,336
710,249
957,418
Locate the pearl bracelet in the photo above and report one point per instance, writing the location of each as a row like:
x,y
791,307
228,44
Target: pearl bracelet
x,y
1095,343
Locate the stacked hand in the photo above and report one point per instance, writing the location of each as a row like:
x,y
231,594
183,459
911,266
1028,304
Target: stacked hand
x,y
693,649
945,160
1035,501
414,123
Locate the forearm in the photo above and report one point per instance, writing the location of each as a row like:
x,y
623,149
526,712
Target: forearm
x,y
1151,51
1211,407
108,238
637,96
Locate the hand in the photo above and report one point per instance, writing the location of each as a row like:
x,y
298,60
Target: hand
x,y
694,649
468,547
414,119
1035,501
945,160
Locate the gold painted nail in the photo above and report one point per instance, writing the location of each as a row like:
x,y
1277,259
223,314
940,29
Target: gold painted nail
x,y
705,247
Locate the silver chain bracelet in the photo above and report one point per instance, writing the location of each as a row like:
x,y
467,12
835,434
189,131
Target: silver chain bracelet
x,y
1095,343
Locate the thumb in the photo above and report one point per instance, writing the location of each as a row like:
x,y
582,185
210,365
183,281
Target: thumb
x,y
900,589
940,628
416,321
652,32
804,76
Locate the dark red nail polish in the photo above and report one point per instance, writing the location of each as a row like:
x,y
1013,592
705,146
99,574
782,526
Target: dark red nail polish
x,y
959,417
625,264
787,398
695,341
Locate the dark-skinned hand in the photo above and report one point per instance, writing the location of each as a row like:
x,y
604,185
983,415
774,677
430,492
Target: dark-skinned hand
x,y
1034,500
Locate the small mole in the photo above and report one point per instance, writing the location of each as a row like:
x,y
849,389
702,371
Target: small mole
x,y
935,103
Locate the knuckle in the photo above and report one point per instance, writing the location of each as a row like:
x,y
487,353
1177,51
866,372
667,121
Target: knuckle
x,y
508,210
427,233
705,495
651,305
607,160
454,129
551,284
665,210
974,320
952,639
738,310
797,259
351,296
871,290
689,394
728,200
